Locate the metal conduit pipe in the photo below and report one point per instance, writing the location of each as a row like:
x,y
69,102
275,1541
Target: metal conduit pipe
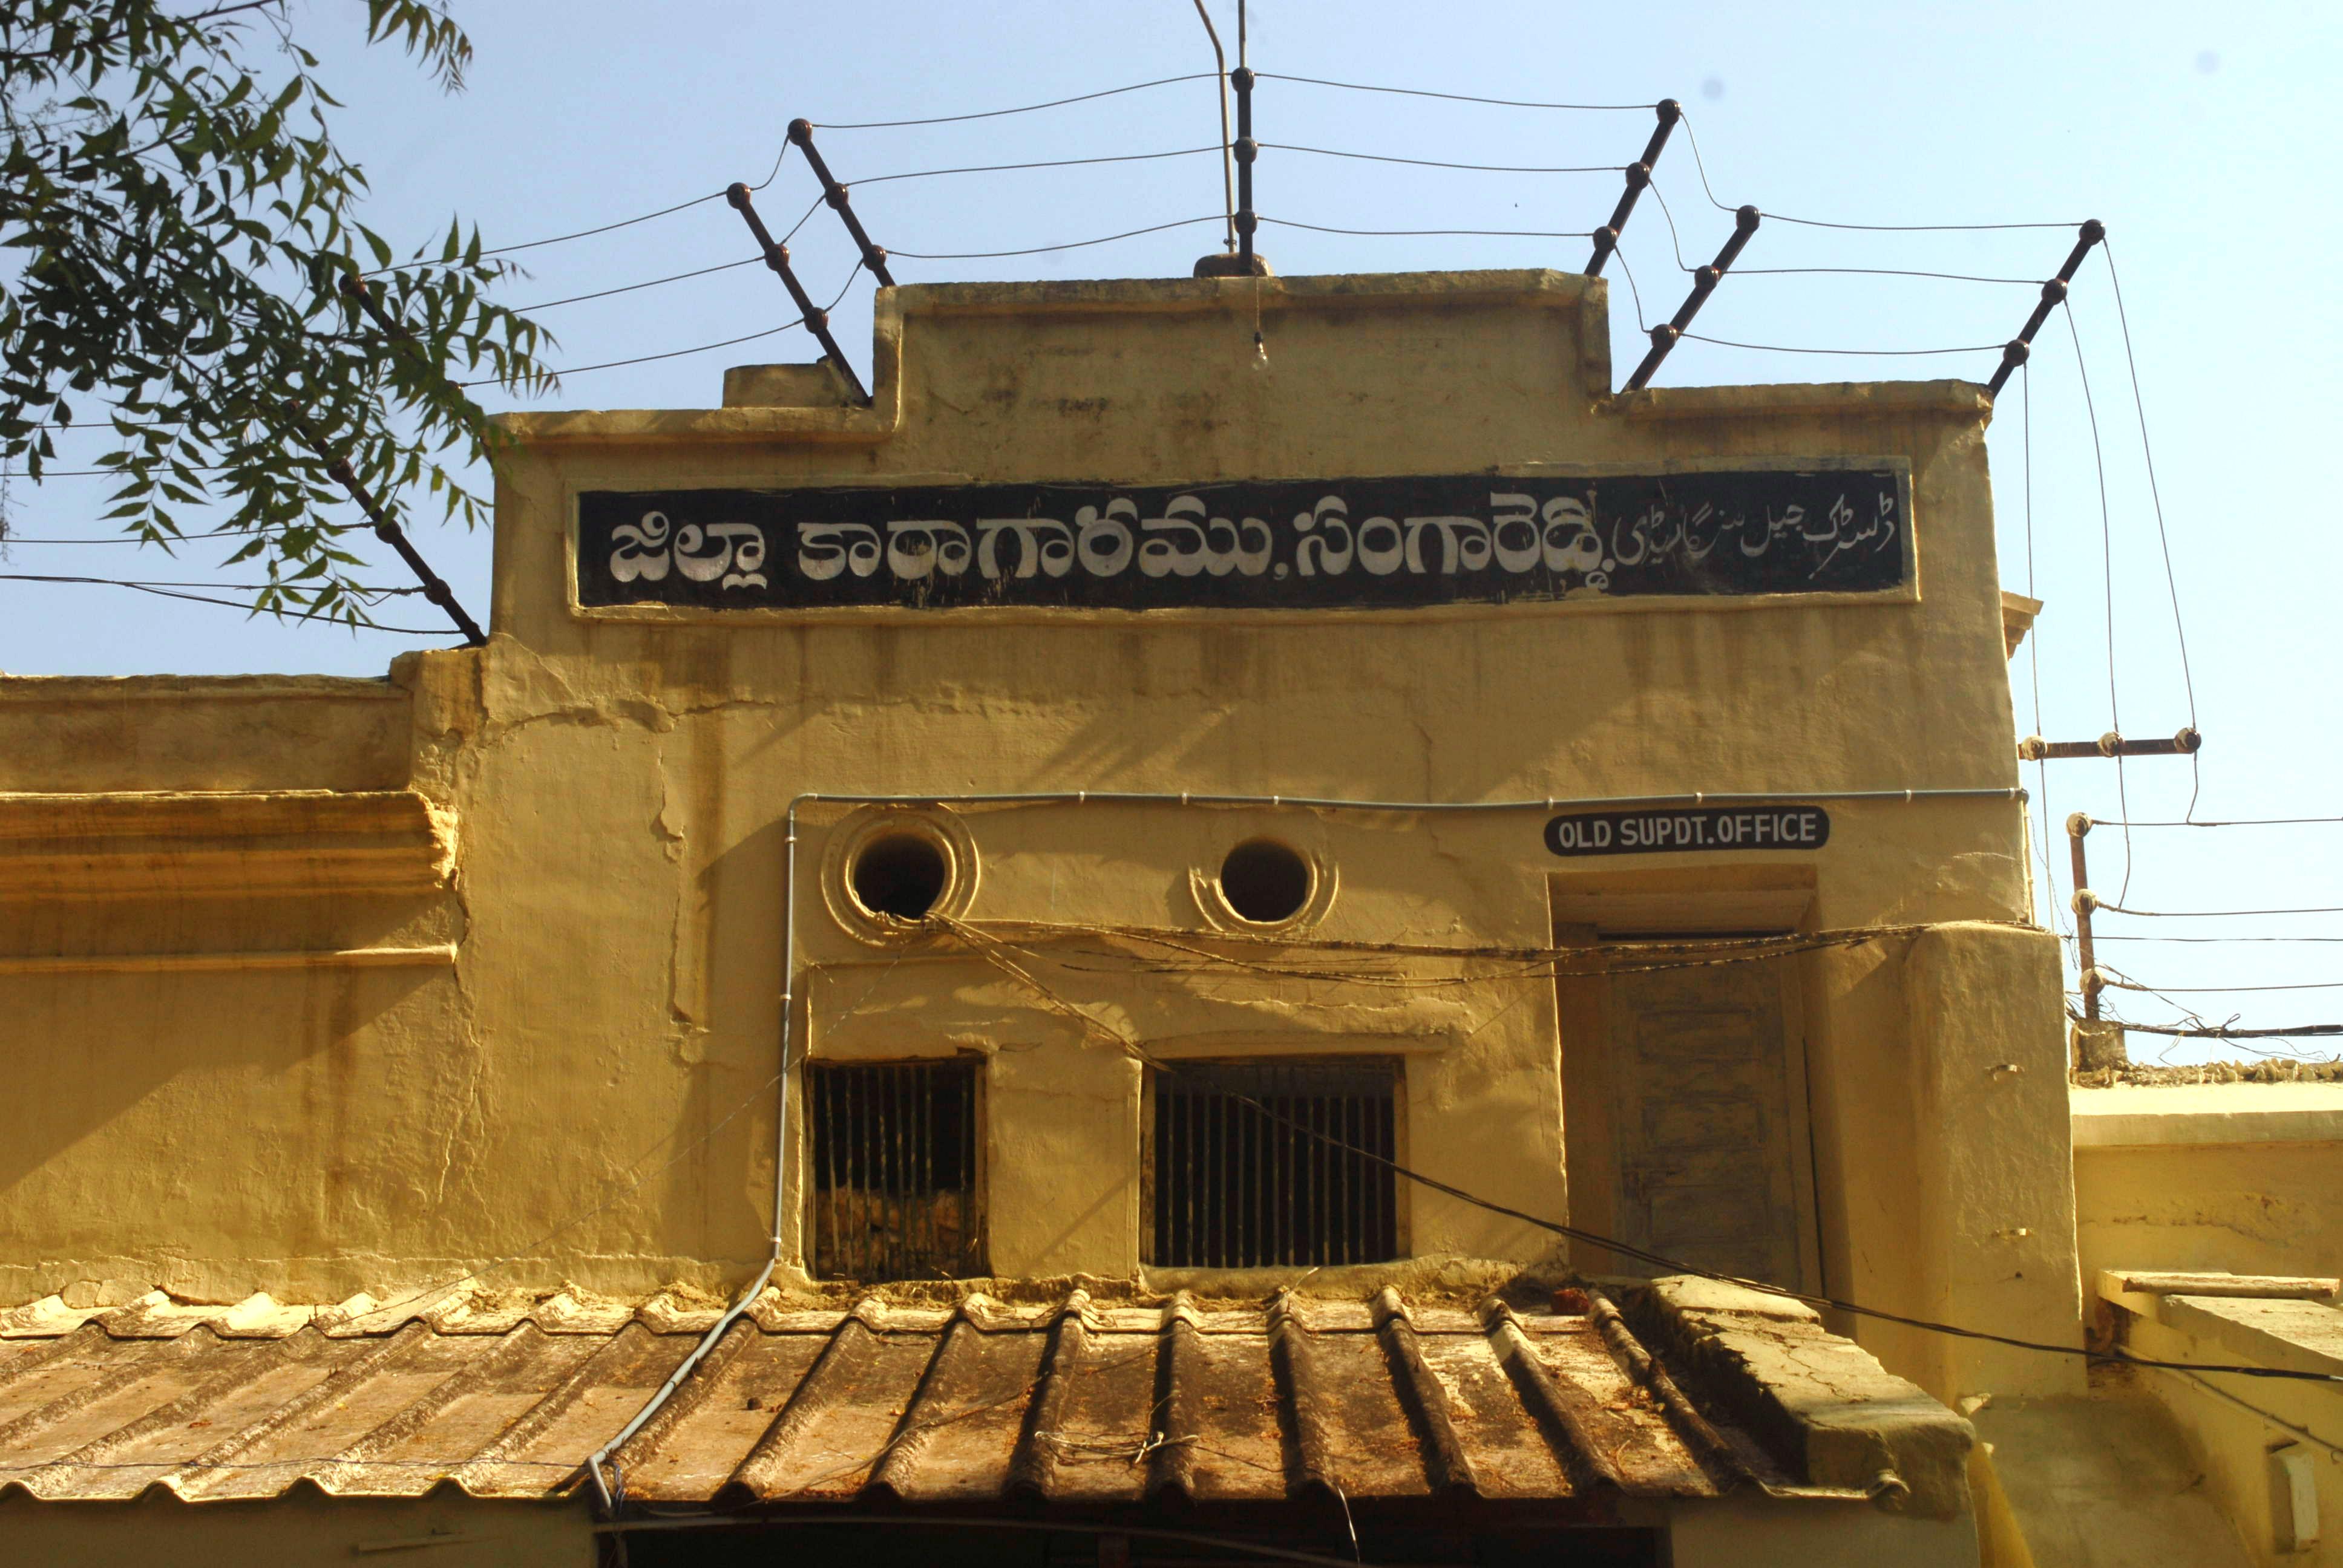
x,y
601,1457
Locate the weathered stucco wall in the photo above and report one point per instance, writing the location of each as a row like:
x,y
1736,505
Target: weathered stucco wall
x,y
588,1084
2238,1177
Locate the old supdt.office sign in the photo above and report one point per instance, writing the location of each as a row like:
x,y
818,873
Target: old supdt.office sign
x,y
1699,828
1386,543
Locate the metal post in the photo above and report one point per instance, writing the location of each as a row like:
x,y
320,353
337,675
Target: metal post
x,y
1639,175
1703,284
435,587
2085,901
2053,292
874,257
777,257
2186,743
1241,78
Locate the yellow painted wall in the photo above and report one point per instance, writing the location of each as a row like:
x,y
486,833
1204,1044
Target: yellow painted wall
x,y
609,793
2238,1208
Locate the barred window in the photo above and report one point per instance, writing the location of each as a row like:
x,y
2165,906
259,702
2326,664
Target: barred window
x,y
895,1154
1262,1163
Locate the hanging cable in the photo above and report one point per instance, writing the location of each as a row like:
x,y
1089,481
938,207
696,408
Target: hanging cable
x,y
991,950
1856,353
2125,983
1038,163
1881,272
2204,914
2160,937
2192,1032
631,288
1438,164
1228,144
161,592
1450,97
1665,335
2163,540
2034,671
701,349
1045,249
1702,165
1430,233
2233,822
1022,109
2108,580
369,594
557,240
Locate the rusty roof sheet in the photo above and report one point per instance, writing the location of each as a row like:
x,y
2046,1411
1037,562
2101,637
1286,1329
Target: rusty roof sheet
x,y
1074,1400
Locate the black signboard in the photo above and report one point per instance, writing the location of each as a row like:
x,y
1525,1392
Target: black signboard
x,y
1397,543
1652,832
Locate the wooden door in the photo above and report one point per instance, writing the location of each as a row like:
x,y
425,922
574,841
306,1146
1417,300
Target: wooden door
x,y
1708,1119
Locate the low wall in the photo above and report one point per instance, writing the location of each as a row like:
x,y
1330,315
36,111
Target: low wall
x,y
2241,1177
76,734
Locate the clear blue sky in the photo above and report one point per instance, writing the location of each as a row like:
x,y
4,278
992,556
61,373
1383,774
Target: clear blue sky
x,y
2206,138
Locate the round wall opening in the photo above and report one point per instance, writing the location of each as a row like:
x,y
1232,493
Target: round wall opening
x,y
1265,881
900,874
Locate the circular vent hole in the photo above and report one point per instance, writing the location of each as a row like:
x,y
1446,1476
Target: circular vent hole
x,y
901,874
1265,882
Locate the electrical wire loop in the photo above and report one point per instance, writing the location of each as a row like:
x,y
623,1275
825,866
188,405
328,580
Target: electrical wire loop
x,y
1639,176
777,257
2053,294
1665,335
873,257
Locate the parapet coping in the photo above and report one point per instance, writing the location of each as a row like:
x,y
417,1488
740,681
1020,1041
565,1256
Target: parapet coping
x,y
2135,1116
90,689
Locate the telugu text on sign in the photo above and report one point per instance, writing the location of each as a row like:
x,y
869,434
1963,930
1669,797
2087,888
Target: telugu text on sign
x,y
1331,543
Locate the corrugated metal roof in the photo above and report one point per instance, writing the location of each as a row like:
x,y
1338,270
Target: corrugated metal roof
x,y
1071,1401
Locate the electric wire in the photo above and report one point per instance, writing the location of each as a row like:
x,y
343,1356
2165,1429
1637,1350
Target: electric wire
x,y
1423,233
2113,979
2231,822
49,474
631,288
679,353
2207,914
1040,164
648,358
2223,1032
986,948
557,240
2034,671
1633,293
1438,164
1882,272
1452,97
223,587
1021,109
812,208
2107,581
284,614
1701,165
1854,353
2160,937
2155,497
1813,1299
778,159
1043,249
